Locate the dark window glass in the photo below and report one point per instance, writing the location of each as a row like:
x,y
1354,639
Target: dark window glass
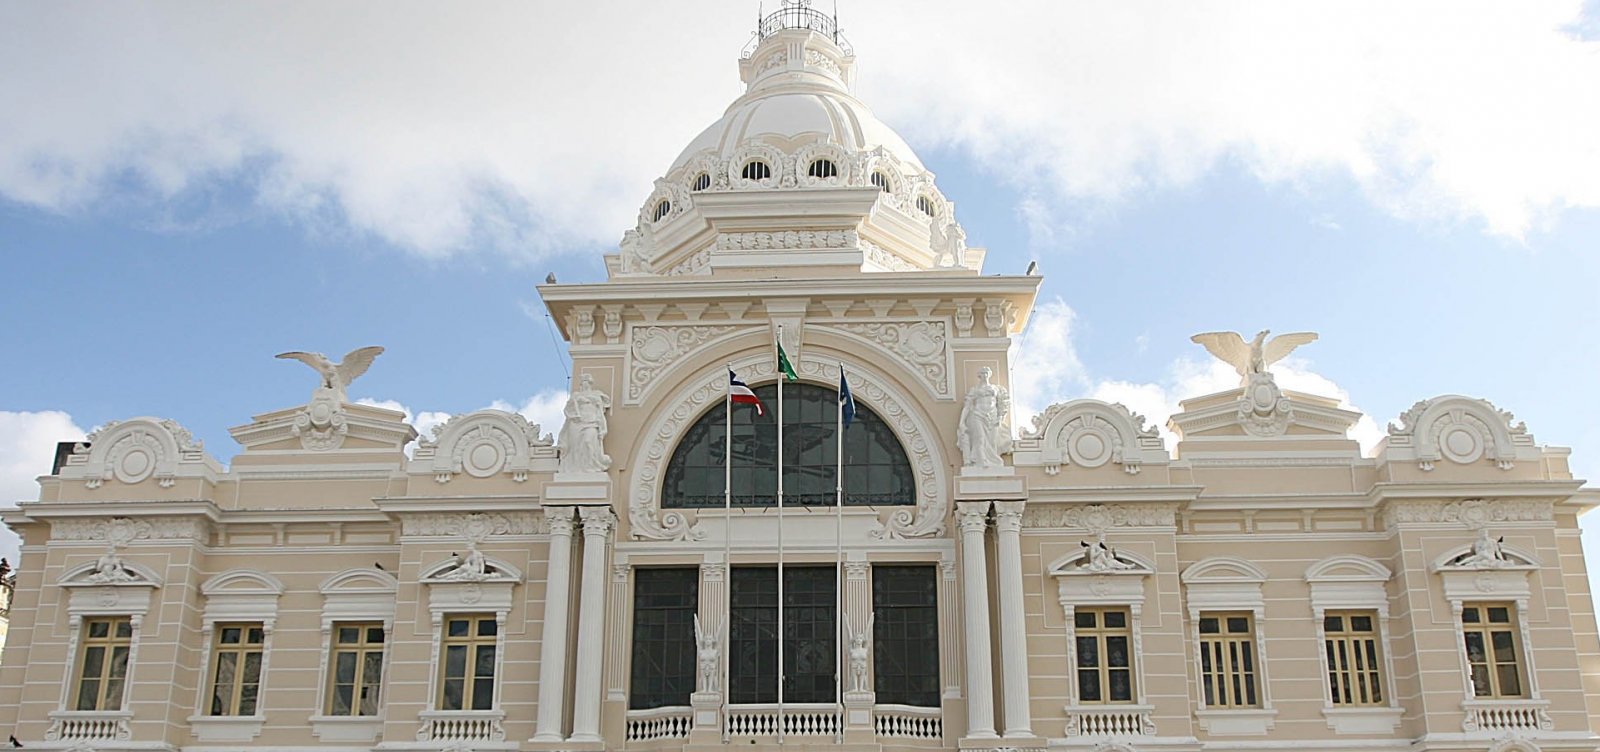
x,y
702,182
663,670
905,635
927,207
876,471
823,168
881,180
756,170
662,209
808,641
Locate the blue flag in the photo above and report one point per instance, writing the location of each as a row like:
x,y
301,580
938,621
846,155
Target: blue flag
x,y
847,401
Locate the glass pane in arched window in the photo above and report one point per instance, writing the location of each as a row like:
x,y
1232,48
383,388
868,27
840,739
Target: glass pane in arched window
x,y
876,470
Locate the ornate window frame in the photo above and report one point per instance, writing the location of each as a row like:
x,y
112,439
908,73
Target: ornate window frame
x,y
354,595
1352,582
1507,582
681,407
238,595
88,597
1226,583
1080,584
445,597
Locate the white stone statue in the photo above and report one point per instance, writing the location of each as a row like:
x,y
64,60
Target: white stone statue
x,y
1253,357
706,652
583,436
1487,553
1102,558
109,568
859,652
983,435
337,377
473,567
948,241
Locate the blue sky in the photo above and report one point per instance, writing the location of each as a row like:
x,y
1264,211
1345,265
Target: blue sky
x,y
190,193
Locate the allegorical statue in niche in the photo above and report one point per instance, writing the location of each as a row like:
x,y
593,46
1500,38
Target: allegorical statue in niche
x,y
1487,553
706,653
983,436
336,377
109,568
583,436
1254,356
1102,558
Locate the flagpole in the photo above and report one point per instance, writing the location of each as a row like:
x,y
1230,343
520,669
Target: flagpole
x,y
727,538
838,564
777,350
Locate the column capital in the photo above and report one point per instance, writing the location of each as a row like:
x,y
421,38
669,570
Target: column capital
x,y
597,521
973,516
1008,516
856,570
713,571
560,520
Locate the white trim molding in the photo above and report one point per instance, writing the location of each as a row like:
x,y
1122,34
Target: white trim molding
x,y
1226,583
354,595
1353,582
238,595
1105,576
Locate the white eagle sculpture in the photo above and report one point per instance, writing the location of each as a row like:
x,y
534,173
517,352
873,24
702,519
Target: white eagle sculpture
x,y
337,376
1254,356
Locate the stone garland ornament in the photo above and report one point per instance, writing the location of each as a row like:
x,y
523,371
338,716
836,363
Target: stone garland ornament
x,y
921,344
983,435
1098,518
122,530
653,349
1472,514
582,442
474,526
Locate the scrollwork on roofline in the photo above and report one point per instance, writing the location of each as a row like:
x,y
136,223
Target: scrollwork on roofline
x,y
474,526
1460,429
922,345
481,444
1472,514
1089,433
925,519
654,348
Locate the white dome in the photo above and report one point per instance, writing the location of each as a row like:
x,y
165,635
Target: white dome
x,y
793,117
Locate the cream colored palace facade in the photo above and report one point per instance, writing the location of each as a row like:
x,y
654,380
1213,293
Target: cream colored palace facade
x,y
1263,587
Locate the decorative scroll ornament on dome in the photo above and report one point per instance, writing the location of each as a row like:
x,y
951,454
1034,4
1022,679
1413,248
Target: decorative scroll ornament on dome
x,y
1460,429
322,425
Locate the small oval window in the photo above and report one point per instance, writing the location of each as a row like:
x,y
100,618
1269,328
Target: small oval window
x,y
881,180
926,205
823,168
756,169
662,209
702,182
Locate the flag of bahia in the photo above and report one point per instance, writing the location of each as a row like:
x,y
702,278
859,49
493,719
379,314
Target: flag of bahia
x,y
738,392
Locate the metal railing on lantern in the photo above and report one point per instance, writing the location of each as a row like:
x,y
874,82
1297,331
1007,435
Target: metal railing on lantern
x,y
798,14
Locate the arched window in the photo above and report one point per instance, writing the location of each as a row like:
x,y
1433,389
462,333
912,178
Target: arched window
x,y
927,206
756,169
823,168
662,209
702,182
881,180
876,471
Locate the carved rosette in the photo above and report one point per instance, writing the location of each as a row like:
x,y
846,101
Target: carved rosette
x,y
920,344
1264,410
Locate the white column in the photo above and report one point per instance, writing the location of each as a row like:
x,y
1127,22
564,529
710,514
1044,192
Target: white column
x,y
553,643
949,630
1013,619
974,519
597,524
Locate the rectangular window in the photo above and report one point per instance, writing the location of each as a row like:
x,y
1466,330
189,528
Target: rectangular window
x,y
905,635
1355,670
357,669
1228,660
1490,631
467,673
236,680
663,667
1104,642
809,629
103,668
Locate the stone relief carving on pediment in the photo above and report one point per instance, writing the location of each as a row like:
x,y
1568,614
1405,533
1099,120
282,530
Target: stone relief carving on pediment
x,y
1462,430
482,444
1098,518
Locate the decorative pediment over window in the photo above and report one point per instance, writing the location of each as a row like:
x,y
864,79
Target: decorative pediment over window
x,y
1223,582
1099,573
1488,568
1488,552
136,450
469,566
242,595
110,569
1460,429
1089,433
484,444
1348,581
469,580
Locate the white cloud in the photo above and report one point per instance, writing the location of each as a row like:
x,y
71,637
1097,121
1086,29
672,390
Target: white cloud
x,y
27,447
531,127
1045,369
